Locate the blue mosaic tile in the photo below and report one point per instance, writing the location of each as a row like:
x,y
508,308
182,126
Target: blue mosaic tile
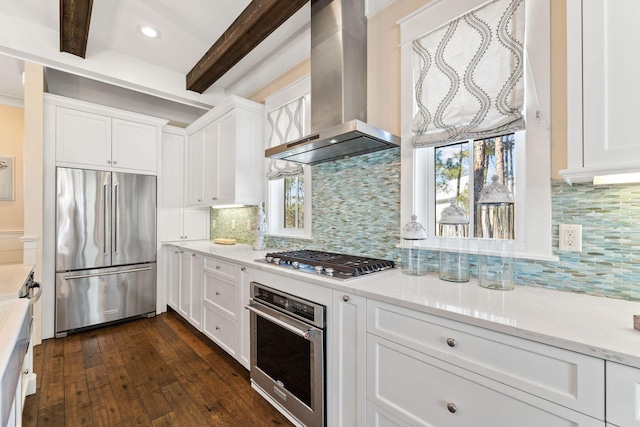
x,y
356,209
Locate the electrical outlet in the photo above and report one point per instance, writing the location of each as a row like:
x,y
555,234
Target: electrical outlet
x,y
570,237
213,224
233,224
249,225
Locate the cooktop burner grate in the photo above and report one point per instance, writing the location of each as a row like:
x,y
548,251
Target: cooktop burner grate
x,y
346,264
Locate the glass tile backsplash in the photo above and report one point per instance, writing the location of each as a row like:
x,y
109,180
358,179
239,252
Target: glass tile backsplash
x,y
356,209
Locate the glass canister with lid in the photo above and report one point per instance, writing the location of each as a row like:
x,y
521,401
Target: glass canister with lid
x,y
453,229
413,252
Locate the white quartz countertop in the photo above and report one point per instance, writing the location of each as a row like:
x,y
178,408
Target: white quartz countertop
x,y
594,326
12,277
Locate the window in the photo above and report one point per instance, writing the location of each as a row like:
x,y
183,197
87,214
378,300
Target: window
x,y
294,202
288,210
462,170
459,167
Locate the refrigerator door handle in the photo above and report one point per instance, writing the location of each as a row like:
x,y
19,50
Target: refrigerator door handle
x,y
104,242
109,273
115,219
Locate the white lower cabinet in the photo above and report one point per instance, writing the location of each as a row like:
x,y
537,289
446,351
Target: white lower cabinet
x,y
422,390
220,304
623,395
430,371
185,284
349,332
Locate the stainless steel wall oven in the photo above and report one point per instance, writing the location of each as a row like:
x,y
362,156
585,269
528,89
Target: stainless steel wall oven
x,y
288,352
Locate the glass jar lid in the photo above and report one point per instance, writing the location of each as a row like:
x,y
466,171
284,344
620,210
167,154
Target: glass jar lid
x,y
414,230
495,193
453,214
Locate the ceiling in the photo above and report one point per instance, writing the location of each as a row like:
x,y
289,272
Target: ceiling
x,y
118,54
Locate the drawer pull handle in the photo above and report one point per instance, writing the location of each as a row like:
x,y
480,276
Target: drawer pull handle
x,y
452,408
217,292
345,298
217,267
451,342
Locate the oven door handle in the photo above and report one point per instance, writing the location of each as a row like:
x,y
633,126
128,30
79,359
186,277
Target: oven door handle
x,y
306,334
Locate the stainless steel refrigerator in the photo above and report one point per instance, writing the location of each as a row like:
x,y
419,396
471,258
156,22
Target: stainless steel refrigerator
x,y
105,247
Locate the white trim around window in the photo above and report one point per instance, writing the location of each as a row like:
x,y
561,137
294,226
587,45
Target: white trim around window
x,y
533,208
273,189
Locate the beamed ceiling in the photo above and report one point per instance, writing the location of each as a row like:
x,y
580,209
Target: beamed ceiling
x,y
256,22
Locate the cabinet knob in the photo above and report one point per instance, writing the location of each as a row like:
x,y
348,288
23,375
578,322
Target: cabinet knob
x,y
346,298
452,408
175,252
114,162
193,254
217,267
181,252
217,292
451,342
217,328
199,200
214,198
108,162
184,237
26,371
243,268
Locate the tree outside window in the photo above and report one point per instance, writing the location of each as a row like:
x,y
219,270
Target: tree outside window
x,y
454,176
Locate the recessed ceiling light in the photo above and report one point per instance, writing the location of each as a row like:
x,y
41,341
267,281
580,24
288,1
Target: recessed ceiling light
x,y
149,31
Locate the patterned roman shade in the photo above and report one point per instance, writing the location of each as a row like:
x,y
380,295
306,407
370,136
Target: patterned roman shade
x,y
469,76
286,123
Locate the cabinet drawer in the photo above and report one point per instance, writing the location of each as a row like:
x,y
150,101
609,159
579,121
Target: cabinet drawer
x,y
220,293
220,329
422,390
564,377
222,268
623,395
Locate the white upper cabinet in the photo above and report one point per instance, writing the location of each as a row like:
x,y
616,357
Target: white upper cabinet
x,y
92,136
602,88
174,221
224,155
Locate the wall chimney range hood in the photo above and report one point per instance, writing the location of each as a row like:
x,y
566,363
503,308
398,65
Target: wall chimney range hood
x,y
338,89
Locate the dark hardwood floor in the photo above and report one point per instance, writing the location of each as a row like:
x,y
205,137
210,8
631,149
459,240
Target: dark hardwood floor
x,y
147,372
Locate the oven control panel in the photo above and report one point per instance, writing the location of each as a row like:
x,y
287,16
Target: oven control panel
x,y
289,303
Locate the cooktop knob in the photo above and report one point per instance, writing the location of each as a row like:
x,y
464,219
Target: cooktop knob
x,y
295,264
269,258
318,269
276,261
329,271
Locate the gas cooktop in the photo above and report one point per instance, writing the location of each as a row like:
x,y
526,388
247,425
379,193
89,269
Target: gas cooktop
x,y
328,264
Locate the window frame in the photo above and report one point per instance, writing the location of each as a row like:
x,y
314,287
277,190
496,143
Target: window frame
x,y
533,145
274,189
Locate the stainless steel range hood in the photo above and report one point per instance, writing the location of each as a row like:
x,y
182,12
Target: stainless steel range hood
x,y
338,89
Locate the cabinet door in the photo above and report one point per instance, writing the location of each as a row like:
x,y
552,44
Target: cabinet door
x,y
195,309
210,156
220,329
185,284
134,146
623,395
196,224
422,390
171,172
349,350
194,169
173,297
227,161
611,86
83,138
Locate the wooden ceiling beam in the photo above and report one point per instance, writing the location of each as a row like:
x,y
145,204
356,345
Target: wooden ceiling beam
x,y
75,16
255,23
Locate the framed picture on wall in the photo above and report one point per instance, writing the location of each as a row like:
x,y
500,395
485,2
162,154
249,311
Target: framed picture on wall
x,y
7,172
